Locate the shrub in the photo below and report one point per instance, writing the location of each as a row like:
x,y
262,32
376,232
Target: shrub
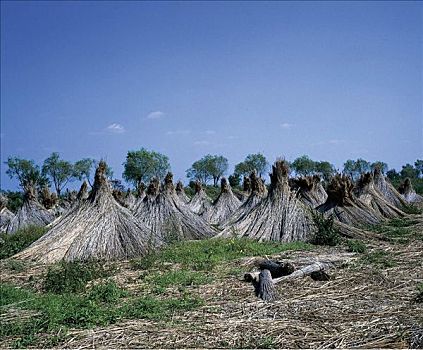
x,y
356,246
419,296
10,244
326,233
15,265
72,277
106,292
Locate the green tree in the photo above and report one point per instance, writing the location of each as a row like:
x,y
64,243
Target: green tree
x,y
26,172
234,180
393,175
409,171
82,169
257,162
381,165
58,170
304,166
208,168
325,169
355,168
140,166
418,164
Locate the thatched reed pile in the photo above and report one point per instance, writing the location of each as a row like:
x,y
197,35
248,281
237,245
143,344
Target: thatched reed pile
x,y
224,205
310,190
258,191
181,192
407,191
200,202
168,217
387,189
95,228
367,193
5,214
278,217
345,206
31,213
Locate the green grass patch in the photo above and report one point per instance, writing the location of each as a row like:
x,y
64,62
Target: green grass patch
x,y
379,258
72,277
178,278
419,297
206,254
356,246
15,265
398,230
43,315
10,244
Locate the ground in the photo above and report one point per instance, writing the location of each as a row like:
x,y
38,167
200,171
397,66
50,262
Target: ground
x,y
194,296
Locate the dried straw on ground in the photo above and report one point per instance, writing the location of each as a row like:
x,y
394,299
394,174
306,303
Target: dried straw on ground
x,y
181,192
31,213
96,228
310,190
168,217
130,199
200,202
258,192
5,214
278,217
388,190
224,205
345,206
367,193
407,191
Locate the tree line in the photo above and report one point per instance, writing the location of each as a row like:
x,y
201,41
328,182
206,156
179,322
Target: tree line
x,y
142,165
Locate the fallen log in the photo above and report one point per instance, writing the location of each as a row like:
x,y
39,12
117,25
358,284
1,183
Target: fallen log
x,y
276,268
265,288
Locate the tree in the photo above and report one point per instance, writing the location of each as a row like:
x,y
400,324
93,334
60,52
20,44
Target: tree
x,y
58,170
234,180
208,168
355,168
393,175
252,162
82,169
325,169
140,166
418,164
26,172
304,166
409,171
381,165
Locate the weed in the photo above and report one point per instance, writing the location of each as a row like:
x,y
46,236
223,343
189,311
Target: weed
x,y
72,277
10,244
419,297
379,258
106,292
15,265
179,278
326,233
205,254
356,246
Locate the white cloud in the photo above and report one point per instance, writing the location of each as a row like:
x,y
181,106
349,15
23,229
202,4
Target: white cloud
x,y
155,115
201,143
115,128
285,125
178,132
210,132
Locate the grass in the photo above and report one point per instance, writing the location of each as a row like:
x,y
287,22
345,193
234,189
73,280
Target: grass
x,y
178,278
204,255
10,244
356,246
102,305
398,230
379,258
72,277
419,297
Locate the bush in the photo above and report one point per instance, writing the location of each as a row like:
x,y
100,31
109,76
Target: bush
x,y
356,246
106,292
10,244
72,277
326,233
419,296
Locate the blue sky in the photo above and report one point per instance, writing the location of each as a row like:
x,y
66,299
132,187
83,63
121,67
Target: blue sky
x,y
334,80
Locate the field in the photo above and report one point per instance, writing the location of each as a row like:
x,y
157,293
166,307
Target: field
x,y
192,294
